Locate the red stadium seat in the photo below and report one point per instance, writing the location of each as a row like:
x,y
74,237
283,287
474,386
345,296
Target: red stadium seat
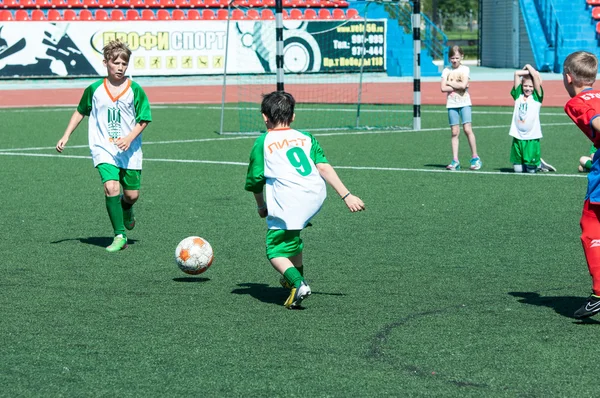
x,y
163,15
269,3
70,15
324,13
150,3
238,15
296,14
593,2
193,15
28,4
222,14
190,3
252,14
90,3
212,3
148,15
314,3
132,15
101,15
338,13
11,3
166,3
105,4
6,15
240,3
596,13
255,3
207,14
117,15
54,15
352,13
58,3
309,13
74,3
223,3
121,4
22,15
179,15
37,15
85,15
267,14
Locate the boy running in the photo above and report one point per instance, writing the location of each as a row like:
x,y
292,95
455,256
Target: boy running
x,y
291,168
579,74
118,112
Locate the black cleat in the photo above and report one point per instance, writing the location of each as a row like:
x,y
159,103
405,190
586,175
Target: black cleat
x,y
590,308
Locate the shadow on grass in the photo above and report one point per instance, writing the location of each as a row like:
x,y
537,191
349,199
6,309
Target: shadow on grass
x,y
270,294
191,279
263,292
563,305
101,241
437,166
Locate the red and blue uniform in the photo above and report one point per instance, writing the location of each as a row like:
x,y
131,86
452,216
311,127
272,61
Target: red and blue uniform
x,y
583,109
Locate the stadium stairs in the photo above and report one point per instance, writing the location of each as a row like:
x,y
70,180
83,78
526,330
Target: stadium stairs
x,y
556,28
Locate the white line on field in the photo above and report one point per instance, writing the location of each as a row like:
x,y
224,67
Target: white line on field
x,y
479,172
252,136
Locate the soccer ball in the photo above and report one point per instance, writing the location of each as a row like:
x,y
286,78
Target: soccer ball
x,y
194,255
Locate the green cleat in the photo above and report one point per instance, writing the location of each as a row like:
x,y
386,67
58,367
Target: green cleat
x,y
129,219
119,243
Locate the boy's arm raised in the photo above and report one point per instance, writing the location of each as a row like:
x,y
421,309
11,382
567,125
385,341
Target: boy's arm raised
x,y
76,118
354,203
537,79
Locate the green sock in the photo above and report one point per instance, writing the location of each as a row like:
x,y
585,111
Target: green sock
x,y
588,165
293,276
115,213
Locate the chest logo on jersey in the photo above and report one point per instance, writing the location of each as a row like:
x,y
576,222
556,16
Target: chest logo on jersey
x,y
285,144
113,123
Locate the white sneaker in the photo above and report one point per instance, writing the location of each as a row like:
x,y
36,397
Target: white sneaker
x,y
545,167
297,295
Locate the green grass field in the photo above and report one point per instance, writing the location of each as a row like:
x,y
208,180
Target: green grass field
x,y
450,284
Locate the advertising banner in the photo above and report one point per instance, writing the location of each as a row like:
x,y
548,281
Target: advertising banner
x,y
169,48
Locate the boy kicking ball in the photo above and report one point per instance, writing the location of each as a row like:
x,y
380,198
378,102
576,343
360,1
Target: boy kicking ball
x,y
118,112
287,174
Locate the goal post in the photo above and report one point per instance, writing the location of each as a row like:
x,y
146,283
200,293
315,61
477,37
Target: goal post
x,y
336,68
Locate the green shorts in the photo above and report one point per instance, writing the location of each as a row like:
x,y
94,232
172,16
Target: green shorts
x,y
525,152
283,243
129,179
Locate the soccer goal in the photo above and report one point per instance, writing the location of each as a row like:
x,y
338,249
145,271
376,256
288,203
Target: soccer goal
x,y
334,61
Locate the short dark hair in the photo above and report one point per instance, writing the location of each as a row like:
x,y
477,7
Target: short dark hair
x,y
278,107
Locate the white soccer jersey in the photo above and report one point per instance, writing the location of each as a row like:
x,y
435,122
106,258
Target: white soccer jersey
x,y
526,115
113,117
456,99
283,161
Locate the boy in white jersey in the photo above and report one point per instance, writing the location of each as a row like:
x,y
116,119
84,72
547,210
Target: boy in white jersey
x,y
525,128
118,112
291,169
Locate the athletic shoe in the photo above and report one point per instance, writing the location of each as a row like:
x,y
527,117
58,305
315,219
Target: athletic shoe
x,y
129,219
476,164
119,243
545,167
581,169
284,283
453,166
591,307
297,295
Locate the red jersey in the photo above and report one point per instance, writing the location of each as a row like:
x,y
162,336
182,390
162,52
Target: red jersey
x,y
583,109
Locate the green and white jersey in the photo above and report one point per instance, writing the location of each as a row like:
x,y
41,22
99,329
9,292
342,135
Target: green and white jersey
x,y
283,161
113,117
526,115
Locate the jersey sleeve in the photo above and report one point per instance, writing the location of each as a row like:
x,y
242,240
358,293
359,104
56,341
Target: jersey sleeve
x,y
255,178
141,104
85,103
539,97
582,113
316,152
516,92
445,74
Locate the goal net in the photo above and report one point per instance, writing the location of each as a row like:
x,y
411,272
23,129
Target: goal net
x,y
335,66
